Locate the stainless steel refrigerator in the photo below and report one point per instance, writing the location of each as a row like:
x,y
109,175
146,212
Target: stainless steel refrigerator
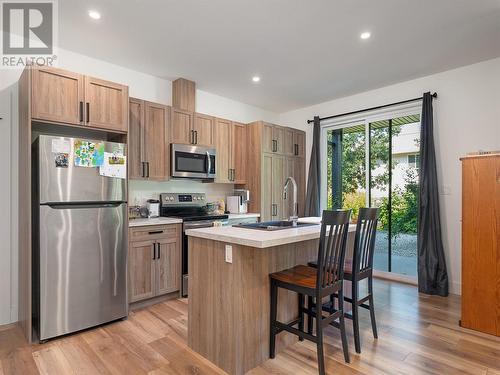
x,y
79,238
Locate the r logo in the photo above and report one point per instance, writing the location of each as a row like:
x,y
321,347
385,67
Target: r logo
x,y
27,28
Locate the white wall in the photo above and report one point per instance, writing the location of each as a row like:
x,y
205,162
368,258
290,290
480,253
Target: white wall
x,y
466,118
142,86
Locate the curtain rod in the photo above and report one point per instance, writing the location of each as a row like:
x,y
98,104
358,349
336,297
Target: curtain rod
x,y
372,108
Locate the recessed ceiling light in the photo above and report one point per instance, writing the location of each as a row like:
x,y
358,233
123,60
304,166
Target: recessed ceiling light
x,y
256,78
365,35
94,14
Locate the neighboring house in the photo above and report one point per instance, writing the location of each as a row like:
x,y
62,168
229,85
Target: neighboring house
x,y
405,151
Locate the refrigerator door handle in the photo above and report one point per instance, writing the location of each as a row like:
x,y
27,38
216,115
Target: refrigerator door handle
x,y
65,206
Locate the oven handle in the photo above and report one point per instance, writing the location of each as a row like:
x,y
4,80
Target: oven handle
x,y
209,162
198,225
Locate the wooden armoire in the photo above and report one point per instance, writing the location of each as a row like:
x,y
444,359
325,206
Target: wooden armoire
x,y
481,243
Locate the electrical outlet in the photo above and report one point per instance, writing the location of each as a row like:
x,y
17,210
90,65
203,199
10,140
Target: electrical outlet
x,y
229,254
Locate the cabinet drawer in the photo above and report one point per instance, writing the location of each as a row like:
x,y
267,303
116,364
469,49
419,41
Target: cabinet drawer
x,y
153,232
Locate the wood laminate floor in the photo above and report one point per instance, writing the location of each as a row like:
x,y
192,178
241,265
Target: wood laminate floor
x,y
417,335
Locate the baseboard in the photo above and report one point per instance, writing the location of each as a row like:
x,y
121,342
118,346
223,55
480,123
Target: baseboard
x,y
134,306
395,277
5,327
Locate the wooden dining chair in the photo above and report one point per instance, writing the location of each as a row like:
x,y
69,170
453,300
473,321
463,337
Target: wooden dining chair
x,y
316,283
360,268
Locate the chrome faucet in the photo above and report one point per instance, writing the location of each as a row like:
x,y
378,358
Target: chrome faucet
x,y
295,216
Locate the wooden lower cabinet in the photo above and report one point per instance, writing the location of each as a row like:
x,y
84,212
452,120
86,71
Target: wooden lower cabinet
x,y
168,275
141,270
154,261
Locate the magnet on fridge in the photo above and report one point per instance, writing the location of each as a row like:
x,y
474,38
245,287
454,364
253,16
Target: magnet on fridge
x,y
61,160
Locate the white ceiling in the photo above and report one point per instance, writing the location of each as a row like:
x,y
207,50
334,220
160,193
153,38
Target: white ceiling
x,y
306,51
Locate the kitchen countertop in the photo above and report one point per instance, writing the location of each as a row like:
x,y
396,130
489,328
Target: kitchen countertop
x,y
242,216
260,238
143,222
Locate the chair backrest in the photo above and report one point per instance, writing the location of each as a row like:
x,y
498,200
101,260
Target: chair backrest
x,y
332,248
364,242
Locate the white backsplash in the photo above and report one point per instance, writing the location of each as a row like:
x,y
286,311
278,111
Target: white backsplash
x,y
140,191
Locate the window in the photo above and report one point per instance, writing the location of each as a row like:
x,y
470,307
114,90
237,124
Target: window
x,y
374,161
414,161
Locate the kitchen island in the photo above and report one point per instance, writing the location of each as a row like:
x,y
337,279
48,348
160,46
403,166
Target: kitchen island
x,y
228,310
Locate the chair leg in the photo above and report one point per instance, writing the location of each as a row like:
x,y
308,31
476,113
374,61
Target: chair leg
x,y
372,307
319,337
355,316
301,315
274,308
345,345
309,316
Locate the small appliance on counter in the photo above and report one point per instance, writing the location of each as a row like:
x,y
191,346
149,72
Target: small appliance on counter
x,y
153,206
238,203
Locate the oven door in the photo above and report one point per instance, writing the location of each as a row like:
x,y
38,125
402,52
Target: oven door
x,y
190,225
192,161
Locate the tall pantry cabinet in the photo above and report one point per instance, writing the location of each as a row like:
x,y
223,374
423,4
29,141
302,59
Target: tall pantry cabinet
x,y
275,153
481,243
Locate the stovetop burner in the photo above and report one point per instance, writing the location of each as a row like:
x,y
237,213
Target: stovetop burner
x,y
188,207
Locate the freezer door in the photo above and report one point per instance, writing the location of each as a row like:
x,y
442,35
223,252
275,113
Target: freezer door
x,y
60,183
83,264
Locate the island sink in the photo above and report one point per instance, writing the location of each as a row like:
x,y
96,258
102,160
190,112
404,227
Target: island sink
x,y
273,225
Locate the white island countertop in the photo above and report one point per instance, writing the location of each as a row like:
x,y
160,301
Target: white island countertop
x,y
261,238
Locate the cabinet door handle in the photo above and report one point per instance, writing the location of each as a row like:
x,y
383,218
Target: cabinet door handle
x,y
159,251
229,174
81,111
147,169
196,137
155,232
192,137
233,174
88,112
154,251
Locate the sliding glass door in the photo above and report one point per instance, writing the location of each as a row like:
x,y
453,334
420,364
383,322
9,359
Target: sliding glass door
x,y
375,163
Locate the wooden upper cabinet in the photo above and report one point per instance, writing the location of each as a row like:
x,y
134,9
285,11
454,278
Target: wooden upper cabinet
x,y
168,271
141,270
239,146
203,127
156,153
299,174
57,95
222,134
148,140
136,139
279,138
288,145
106,104
299,141
266,191
184,94
267,138
277,181
181,126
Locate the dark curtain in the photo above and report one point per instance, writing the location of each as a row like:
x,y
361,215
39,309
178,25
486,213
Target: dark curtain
x,y
313,180
432,275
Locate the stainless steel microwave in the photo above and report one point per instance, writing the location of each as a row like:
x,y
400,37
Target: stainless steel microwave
x,y
192,161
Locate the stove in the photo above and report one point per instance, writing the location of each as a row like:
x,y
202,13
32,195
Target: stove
x,y
191,208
